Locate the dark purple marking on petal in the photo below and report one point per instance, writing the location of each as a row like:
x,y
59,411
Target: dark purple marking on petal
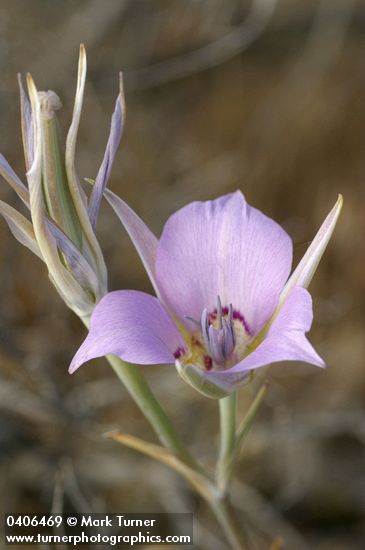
x,y
208,362
238,315
286,338
179,352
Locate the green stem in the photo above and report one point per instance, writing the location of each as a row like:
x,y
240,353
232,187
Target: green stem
x,y
231,526
218,502
242,432
248,419
227,410
136,385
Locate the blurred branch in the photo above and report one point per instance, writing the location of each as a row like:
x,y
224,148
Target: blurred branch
x,y
298,90
207,56
323,424
264,517
18,400
58,501
58,493
329,30
217,174
200,482
89,23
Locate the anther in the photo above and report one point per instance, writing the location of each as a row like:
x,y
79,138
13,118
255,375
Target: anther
x,y
219,341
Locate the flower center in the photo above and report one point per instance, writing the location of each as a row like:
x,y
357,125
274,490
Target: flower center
x,y
219,341
218,333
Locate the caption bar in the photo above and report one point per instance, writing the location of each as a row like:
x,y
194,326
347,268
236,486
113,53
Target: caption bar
x,y
112,529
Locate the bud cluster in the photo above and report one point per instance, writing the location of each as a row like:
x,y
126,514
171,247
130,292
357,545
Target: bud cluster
x,y
62,222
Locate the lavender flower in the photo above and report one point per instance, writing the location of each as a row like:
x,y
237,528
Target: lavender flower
x,y
61,231
224,304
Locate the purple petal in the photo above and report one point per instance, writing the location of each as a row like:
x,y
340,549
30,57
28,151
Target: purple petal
x,y
143,239
115,135
132,325
303,273
227,248
20,227
285,340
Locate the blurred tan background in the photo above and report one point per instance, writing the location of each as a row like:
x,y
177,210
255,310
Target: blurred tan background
x,y
264,96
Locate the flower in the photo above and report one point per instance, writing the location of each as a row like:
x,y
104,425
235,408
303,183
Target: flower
x,y
61,231
224,304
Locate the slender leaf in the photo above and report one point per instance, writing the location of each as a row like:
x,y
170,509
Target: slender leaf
x,y
201,483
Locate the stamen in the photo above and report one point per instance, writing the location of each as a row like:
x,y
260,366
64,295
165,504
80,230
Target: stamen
x,y
219,341
192,320
228,339
216,344
219,311
205,328
218,334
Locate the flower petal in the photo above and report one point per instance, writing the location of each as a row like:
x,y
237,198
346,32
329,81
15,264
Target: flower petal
x,y
303,273
132,325
20,227
12,179
116,129
227,248
142,237
285,340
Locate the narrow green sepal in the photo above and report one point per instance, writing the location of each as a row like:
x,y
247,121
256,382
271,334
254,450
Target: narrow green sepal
x,y
57,195
195,377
